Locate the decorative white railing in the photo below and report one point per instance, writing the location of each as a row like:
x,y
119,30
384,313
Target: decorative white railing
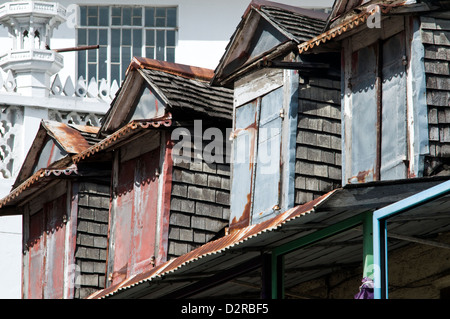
x,y
81,88
11,123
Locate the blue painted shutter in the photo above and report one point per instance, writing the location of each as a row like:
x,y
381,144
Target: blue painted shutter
x,y
267,177
243,164
393,128
364,115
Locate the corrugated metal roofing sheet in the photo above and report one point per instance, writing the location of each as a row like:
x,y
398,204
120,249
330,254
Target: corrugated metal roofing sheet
x,y
70,138
215,247
244,244
187,71
36,181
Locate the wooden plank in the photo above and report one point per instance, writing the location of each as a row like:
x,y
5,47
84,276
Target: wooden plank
x,y
144,219
142,145
257,84
55,248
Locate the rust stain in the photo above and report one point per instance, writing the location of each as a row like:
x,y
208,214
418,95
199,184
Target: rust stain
x,y
244,220
361,176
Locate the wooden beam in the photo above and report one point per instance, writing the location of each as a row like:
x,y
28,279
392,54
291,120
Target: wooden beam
x,y
216,280
419,240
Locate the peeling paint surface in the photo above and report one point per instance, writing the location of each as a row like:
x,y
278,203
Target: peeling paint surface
x,y
242,165
134,213
46,252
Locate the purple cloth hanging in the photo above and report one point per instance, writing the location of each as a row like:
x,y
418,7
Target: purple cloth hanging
x,y
366,289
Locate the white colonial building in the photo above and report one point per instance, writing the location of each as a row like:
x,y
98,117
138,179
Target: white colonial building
x,y
64,61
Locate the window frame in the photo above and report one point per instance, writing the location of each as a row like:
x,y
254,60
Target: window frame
x,y
170,34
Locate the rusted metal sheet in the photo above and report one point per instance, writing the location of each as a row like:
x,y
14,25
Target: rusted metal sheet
x,y
244,152
122,209
36,256
55,248
165,198
142,256
135,216
69,138
215,247
377,112
46,251
187,71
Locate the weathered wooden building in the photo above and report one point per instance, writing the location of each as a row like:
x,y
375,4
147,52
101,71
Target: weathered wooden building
x,y
166,131
287,133
390,215
395,84
338,161
64,207
102,204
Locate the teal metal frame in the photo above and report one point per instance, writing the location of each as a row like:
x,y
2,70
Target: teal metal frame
x,y
380,218
278,253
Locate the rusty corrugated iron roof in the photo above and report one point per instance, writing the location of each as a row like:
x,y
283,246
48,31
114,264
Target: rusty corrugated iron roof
x,y
187,71
215,247
36,181
69,136
72,139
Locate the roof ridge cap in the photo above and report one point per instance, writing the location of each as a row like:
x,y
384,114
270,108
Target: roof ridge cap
x,y
184,70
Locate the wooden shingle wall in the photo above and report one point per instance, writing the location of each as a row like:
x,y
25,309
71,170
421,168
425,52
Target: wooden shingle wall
x,y
200,200
318,156
92,232
436,40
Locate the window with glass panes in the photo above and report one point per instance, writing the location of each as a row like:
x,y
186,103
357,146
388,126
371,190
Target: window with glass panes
x,y
123,32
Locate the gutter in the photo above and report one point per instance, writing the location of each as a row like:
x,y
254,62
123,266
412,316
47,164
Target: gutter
x,y
380,232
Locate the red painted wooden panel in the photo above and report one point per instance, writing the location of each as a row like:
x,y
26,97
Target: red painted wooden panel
x,y
124,205
145,213
55,242
36,253
135,216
